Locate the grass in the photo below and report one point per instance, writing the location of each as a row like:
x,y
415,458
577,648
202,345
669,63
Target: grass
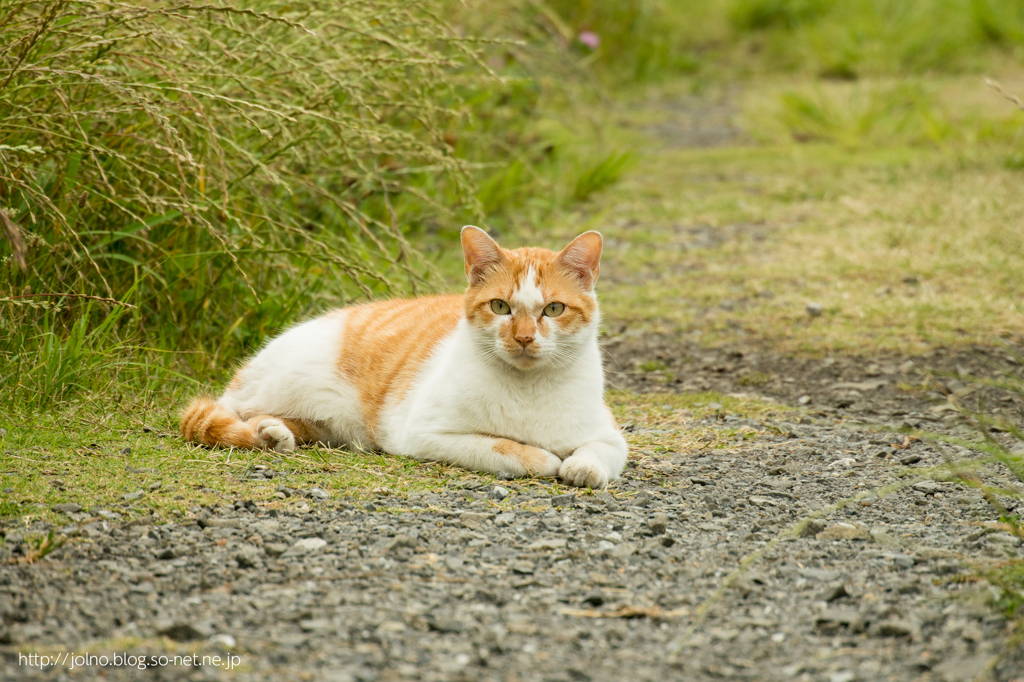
x,y
906,241
96,462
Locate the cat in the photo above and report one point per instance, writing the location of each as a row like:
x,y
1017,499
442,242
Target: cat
x,y
506,379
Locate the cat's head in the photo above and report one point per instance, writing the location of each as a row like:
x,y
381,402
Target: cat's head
x,y
531,308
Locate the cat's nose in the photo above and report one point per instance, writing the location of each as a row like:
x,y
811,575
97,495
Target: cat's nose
x,y
524,339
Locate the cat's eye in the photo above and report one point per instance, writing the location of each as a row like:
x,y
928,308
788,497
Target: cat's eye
x,y
500,307
554,309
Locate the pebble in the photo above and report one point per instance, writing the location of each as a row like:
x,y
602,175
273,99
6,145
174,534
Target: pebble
x,y
814,309
843,531
910,459
658,524
309,544
566,500
131,497
67,508
499,493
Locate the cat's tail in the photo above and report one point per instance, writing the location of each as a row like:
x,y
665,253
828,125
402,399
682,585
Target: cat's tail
x,y
208,422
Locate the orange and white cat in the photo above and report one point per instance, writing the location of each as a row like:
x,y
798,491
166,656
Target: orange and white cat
x,y
506,379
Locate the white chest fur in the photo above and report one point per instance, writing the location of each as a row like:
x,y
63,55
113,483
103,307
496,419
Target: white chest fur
x,y
460,390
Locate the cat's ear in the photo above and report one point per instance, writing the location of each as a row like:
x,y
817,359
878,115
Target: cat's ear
x,y
583,258
482,253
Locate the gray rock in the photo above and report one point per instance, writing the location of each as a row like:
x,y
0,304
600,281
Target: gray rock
x,y
184,632
896,627
131,497
566,500
658,524
499,493
811,528
67,508
842,531
275,549
814,309
307,545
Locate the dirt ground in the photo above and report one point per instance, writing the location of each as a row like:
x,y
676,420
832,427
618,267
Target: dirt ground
x,y
493,581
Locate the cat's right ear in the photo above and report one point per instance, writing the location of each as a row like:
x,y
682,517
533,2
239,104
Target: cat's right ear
x,y
482,253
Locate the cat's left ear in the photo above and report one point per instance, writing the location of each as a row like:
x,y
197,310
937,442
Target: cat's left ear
x,y
482,253
583,258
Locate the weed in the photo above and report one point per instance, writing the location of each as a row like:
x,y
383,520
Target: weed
x,y
652,366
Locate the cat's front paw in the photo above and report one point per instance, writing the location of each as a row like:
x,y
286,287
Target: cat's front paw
x,y
584,470
272,434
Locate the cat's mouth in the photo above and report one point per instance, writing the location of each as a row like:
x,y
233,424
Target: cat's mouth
x,y
523,358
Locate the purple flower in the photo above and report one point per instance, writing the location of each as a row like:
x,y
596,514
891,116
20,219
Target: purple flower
x,y
590,39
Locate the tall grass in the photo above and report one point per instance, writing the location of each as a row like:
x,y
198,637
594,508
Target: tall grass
x,y
231,165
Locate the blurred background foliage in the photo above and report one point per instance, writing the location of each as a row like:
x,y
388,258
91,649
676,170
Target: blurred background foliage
x,y
215,171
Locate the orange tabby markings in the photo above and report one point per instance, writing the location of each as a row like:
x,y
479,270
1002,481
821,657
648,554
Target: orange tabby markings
x,y
206,421
533,459
385,344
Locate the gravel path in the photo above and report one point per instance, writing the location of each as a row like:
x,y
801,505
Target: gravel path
x,y
496,582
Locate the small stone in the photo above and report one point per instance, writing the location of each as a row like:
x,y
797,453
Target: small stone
x,y
275,549
131,497
835,592
124,451
447,625
659,524
881,536
309,545
804,399
910,459
842,531
814,309
567,500
182,632
716,407
399,542
8,490
247,557
667,541
897,627
552,543
499,493
474,520
522,567
315,625
154,486
223,640
868,500
813,527
903,560
927,487
67,508
318,494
